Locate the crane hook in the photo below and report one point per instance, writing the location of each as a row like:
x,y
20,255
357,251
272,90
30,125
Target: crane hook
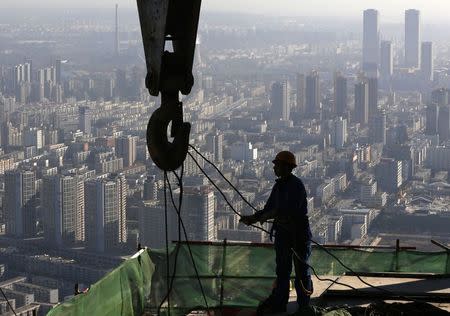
x,y
168,156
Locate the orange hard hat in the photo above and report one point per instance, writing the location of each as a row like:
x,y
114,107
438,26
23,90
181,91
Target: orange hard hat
x,y
286,157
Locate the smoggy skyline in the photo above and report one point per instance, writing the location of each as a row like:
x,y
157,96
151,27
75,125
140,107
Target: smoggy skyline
x,y
391,10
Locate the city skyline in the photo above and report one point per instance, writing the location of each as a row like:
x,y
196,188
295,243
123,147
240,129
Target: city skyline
x,y
433,10
363,108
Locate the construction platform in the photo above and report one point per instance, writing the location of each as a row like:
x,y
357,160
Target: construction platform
x,y
235,277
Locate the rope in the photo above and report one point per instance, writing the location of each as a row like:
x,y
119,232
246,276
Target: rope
x,y
223,194
174,271
167,296
187,239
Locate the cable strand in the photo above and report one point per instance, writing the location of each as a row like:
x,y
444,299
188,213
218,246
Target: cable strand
x,y
7,301
187,239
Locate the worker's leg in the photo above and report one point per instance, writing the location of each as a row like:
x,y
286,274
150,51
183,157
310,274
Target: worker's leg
x,y
284,268
303,273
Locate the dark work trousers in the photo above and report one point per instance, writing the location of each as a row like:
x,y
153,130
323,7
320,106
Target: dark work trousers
x,y
284,241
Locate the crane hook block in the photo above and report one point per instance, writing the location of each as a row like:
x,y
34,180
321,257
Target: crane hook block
x,y
174,21
168,156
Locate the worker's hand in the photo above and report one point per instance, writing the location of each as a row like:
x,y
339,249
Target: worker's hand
x,y
248,219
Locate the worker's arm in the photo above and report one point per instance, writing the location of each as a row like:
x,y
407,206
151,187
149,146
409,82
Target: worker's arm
x,y
260,217
268,212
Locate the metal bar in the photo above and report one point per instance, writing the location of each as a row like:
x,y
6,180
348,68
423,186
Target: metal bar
x,y
222,276
397,251
398,275
437,243
400,296
368,247
270,245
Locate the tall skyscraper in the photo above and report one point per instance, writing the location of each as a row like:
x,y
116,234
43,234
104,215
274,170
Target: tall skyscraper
x,y
412,38
340,95
373,95
151,215
84,119
105,213
389,174
27,72
58,64
432,116
199,205
61,199
427,61
340,132
126,149
312,96
121,84
371,41
116,33
444,123
301,89
279,100
386,61
362,103
214,144
378,128
20,203
29,61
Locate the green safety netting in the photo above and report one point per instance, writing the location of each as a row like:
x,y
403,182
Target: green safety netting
x,y
232,275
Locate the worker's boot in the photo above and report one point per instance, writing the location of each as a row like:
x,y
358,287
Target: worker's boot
x,y
268,307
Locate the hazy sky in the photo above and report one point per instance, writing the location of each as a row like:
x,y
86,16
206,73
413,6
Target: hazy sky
x,y
389,9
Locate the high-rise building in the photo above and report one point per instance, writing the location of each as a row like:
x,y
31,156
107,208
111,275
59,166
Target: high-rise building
x,y
301,90
27,72
444,123
427,61
40,76
386,61
61,201
116,33
150,188
31,74
214,144
373,95
58,64
105,213
440,96
340,95
388,174
279,101
312,95
371,41
378,128
20,203
33,137
151,215
126,149
340,132
432,116
121,84
84,119
199,205
362,103
412,38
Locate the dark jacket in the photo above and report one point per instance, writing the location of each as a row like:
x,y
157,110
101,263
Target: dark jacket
x,y
288,198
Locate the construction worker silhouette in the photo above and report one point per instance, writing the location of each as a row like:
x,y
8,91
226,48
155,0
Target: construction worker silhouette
x,y
287,206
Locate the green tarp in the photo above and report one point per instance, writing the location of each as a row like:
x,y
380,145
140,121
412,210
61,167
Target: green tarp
x,y
231,275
